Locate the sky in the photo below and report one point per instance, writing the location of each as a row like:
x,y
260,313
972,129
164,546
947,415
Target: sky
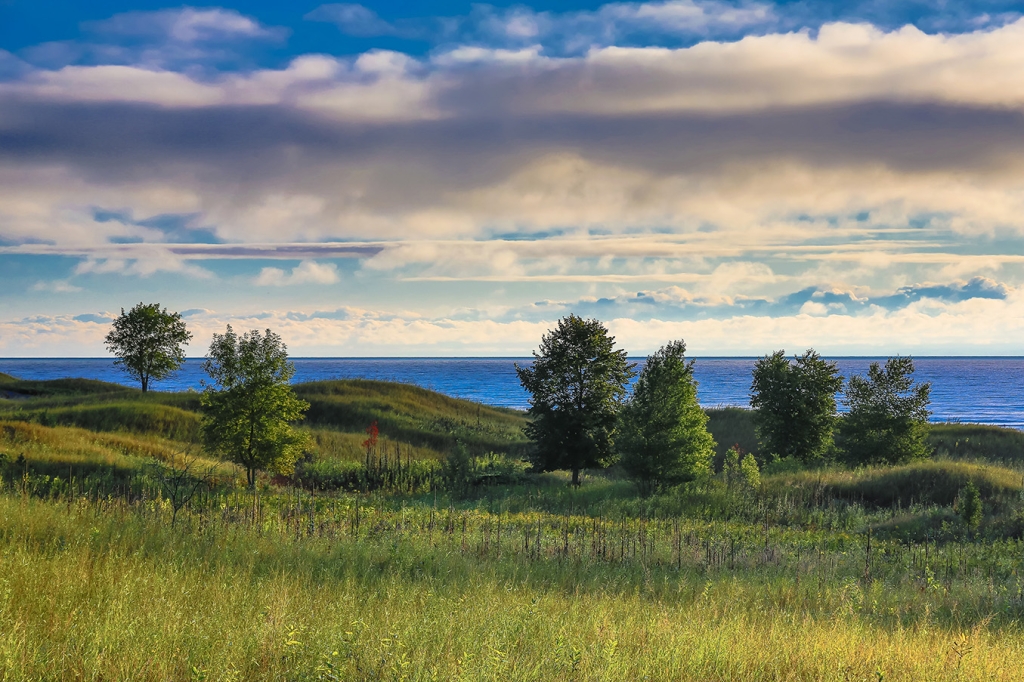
x,y
450,178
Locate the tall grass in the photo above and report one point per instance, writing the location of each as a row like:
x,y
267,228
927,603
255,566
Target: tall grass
x,y
814,575
121,595
413,415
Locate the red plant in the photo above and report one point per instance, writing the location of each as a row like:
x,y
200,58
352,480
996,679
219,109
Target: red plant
x,y
371,442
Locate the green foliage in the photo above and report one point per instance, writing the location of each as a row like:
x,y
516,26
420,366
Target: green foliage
x,y
663,438
740,470
731,426
970,508
247,412
795,405
147,341
750,474
457,470
887,422
577,382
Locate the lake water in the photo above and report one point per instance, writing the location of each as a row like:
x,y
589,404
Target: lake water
x,y
986,390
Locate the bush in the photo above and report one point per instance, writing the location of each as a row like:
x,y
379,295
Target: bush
x,y
795,405
887,421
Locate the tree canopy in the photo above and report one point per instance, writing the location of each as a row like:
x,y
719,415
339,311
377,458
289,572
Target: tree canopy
x,y
250,407
795,404
888,415
148,342
663,438
577,382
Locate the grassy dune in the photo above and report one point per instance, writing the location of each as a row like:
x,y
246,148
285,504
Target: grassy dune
x,y
822,574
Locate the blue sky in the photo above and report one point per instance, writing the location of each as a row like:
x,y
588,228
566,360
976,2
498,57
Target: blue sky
x,y
449,178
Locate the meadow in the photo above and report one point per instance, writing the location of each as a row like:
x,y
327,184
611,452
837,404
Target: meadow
x,y
363,565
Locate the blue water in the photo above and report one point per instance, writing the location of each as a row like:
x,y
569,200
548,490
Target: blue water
x,y
983,390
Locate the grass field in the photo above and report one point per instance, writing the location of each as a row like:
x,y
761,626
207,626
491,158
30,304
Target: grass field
x,y
822,574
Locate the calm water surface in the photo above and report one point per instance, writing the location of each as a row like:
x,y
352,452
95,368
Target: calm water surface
x,y
985,390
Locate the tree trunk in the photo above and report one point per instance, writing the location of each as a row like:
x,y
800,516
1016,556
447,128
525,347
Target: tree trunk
x,y
576,477
250,476
145,384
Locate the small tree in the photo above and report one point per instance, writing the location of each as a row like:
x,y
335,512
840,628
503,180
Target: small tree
x,y
577,382
888,413
739,469
249,409
148,342
970,507
795,404
663,438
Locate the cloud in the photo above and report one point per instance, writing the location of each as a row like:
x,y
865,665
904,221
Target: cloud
x,y
306,272
152,263
185,25
352,19
975,326
842,63
170,38
56,287
563,32
101,318
851,171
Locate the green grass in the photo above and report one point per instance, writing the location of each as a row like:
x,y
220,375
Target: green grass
x,y
977,442
413,415
928,482
110,591
818,575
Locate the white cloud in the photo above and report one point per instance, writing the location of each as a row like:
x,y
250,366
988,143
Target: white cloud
x,y
842,63
976,326
56,286
306,272
153,262
187,25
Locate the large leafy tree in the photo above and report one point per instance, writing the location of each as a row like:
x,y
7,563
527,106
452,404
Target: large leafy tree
x,y
577,382
795,404
249,408
888,415
663,438
148,342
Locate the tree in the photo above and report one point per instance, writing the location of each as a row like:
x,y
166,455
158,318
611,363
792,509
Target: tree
x,y
739,469
663,438
795,404
970,506
249,408
148,342
888,413
577,382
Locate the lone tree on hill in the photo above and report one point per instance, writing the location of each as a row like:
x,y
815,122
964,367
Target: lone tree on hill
x,y
148,342
663,438
249,409
795,404
888,415
577,382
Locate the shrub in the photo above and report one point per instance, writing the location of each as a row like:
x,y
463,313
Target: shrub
x,y
887,421
795,405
